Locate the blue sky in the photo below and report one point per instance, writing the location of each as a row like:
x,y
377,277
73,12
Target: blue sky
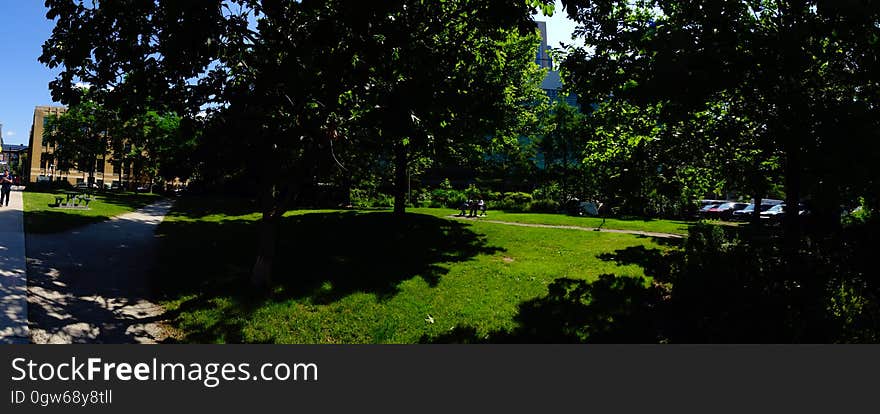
x,y
559,27
24,81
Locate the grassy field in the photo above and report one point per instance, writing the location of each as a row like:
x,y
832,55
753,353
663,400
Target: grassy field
x,y
657,226
366,277
41,217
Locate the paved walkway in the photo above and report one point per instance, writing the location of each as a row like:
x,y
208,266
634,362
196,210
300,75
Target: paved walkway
x,y
549,226
90,285
13,276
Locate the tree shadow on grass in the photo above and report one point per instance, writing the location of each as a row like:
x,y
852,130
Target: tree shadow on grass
x,y
322,257
611,309
714,290
130,200
198,206
656,263
47,222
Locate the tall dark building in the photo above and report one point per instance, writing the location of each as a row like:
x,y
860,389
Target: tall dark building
x,y
543,58
552,84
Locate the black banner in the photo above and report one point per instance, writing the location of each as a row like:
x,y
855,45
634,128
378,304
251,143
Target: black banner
x,y
486,378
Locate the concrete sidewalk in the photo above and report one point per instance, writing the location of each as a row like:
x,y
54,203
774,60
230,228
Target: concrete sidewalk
x,y
91,284
13,275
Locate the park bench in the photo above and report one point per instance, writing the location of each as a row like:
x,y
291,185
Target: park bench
x,y
73,200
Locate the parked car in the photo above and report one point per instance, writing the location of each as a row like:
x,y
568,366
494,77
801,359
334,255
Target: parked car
x,y
725,211
777,213
746,213
774,213
704,212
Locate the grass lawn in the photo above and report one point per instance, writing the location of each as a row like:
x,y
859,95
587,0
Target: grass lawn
x,y
366,277
41,217
656,226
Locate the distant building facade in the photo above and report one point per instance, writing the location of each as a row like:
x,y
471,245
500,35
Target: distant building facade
x,y
552,84
43,167
12,157
543,58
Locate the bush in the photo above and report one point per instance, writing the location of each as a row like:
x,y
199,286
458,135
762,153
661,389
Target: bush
x,y
518,198
448,198
365,198
548,192
543,206
510,202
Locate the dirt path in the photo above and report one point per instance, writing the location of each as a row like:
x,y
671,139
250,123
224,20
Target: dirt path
x,y
549,226
90,285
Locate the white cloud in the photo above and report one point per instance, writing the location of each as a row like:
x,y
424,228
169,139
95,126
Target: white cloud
x,y
9,133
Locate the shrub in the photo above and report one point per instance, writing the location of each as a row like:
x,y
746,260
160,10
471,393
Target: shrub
x,y
548,192
510,201
518,198
448,198
365,198
543,206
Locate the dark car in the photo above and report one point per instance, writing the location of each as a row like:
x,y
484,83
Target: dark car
x,y
746,213
774,213
777,213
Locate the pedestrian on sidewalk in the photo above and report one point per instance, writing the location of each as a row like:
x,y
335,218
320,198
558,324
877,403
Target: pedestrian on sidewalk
x,y
5,187
482,205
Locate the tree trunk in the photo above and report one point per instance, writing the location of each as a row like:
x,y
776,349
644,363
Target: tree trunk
x,y
400,178
810,292
261,274
756,214
791,220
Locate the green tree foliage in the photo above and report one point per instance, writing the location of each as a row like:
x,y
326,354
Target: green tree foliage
x,y
441,77
799,73
560,146
284,83
769,91
79,136
154,145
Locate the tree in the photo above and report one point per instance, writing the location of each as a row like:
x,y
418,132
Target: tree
x,y
444,75
154,146
788,67
798,71
252,67
561,146
79,136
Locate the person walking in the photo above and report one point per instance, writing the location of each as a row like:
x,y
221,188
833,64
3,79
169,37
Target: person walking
x,y
5,188
482,205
